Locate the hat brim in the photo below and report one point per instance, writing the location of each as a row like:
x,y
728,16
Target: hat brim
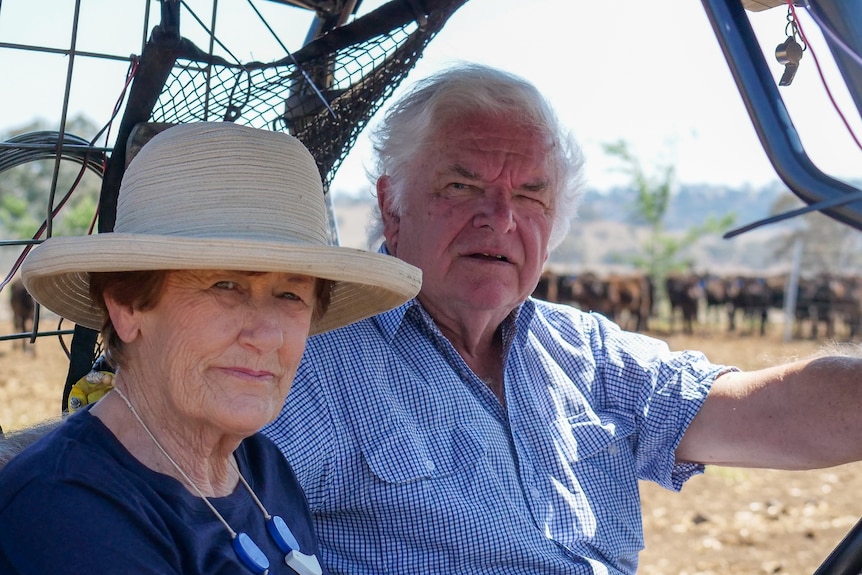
x,y
56,273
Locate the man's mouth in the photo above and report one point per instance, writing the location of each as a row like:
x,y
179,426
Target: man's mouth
x,y
490,256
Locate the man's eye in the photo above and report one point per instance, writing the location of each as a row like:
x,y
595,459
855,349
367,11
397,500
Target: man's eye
x,y
225,285
534,199
460,189
291,296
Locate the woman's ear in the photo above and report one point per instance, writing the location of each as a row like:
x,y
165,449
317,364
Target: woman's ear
x,y
125,319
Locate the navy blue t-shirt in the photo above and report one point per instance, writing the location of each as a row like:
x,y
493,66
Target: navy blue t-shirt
x,y
78,502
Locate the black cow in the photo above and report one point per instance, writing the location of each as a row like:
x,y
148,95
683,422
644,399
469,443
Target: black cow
x,y
22,310
715,293
826,299
752,296
684,292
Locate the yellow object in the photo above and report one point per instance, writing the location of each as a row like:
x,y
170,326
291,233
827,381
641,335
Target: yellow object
x,y
90,389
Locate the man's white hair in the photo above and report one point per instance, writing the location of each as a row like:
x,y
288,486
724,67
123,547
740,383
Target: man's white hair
x,y
461,91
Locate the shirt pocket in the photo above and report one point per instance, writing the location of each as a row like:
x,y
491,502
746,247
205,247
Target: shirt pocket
x,y
404,453
583,436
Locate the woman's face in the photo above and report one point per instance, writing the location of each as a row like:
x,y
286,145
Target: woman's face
x,y
220,348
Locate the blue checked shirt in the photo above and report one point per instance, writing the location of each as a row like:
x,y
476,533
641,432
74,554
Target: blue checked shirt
x,y
411,464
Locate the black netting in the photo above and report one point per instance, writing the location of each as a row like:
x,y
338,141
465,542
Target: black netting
x,y
288,95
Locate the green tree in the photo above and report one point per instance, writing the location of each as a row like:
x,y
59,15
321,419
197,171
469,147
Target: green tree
x,y
662,251
25,188
14,217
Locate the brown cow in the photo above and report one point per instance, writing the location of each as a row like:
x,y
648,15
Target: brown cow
x,y
630,299
548,287
22,311
627,299
585,291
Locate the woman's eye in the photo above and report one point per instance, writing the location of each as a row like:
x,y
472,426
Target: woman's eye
x,y
291,296
225,285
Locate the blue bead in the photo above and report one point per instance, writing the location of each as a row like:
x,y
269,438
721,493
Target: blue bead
x,y
250,554
280,532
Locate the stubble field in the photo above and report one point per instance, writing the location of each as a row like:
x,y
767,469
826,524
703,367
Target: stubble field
x,y
739,521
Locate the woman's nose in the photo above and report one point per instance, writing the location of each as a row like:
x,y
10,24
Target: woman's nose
x,y
262,328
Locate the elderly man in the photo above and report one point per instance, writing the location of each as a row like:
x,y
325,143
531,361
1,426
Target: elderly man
x,y
477,430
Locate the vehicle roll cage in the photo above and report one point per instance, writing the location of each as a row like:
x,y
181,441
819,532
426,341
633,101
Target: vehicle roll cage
x,y
327,91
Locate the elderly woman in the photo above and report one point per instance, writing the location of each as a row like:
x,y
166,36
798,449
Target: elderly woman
x,y
216,273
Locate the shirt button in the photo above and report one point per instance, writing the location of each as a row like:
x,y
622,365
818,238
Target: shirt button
x,y
613,449
429,465
534,491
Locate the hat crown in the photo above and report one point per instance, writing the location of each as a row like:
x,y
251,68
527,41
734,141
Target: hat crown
x,y
219,196
267,188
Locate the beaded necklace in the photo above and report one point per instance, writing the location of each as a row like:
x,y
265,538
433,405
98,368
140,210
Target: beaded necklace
x,y
246,550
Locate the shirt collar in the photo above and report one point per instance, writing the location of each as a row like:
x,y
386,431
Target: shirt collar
x,y
390,321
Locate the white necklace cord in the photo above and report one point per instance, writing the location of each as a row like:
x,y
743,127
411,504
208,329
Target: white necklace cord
x,y
257,501
178,468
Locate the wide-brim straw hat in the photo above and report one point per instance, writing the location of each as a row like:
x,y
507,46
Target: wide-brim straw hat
x,y
216,195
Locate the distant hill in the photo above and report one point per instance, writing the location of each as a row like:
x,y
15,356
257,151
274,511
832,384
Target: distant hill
x,y
691,205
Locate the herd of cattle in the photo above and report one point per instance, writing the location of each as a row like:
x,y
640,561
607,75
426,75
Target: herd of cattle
x,y
826,306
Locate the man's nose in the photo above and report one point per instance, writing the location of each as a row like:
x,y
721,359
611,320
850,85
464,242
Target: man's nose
x,y
495,212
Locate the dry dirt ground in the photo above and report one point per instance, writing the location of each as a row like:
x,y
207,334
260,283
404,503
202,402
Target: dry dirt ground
x,y
726,521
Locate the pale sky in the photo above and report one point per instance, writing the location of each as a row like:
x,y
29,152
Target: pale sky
x,y
651,73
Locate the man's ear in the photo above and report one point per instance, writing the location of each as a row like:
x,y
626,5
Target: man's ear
x,y
125,319
391,221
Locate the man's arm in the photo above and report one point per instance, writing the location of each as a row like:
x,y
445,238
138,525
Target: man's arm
x,y
801,415
13,443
